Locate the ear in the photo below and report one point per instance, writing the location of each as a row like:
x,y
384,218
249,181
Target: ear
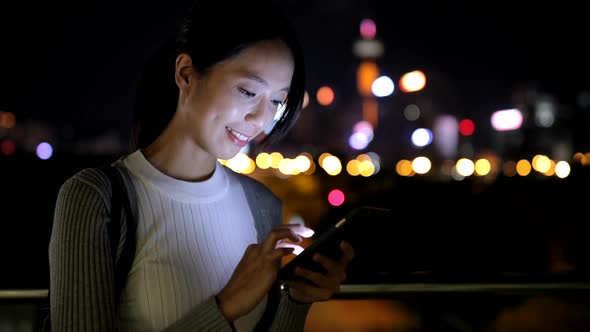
x,y
184,72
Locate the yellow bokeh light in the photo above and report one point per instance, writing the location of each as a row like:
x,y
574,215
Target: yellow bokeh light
x,y
367,168
578,156
302,163
240,163
523,167
263,160
352,167
465,167
250,168
322,157
276,158
482,167
287,167
421,165
332,165
364,165
363,157
412,81
541,163
404,167
551,170
562,169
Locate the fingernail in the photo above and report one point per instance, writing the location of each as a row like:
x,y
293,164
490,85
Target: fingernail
x,y
307,232
297,250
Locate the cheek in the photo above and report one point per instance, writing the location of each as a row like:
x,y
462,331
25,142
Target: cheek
x,y
211,111
268,121
224,106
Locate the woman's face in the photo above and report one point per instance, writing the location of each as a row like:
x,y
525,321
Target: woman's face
x,y
238,98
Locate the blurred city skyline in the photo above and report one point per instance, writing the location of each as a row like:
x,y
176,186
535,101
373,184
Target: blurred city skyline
x,y
69,71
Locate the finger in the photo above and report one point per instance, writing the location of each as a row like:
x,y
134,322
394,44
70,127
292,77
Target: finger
x,y
300,296
318,279
301,230
279,253
278,234
304,292
347,252
335,269
297,249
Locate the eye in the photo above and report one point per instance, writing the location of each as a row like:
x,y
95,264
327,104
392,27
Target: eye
x,y
246,93
278,103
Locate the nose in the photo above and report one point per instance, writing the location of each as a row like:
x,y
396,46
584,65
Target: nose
x,y
259,115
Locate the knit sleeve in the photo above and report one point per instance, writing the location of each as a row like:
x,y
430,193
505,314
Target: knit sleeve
x,y
290,316
81,267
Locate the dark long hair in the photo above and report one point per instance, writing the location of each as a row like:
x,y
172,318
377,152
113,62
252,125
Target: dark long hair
x,y
211,32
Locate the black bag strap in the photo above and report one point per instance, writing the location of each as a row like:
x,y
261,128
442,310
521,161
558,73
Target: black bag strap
x,y
120,204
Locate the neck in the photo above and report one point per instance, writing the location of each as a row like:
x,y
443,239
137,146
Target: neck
x,y
180,158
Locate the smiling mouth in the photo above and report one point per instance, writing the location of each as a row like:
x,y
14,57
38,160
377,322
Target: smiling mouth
x,y
241,137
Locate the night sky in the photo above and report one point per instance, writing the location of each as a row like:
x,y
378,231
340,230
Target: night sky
x,y
76,65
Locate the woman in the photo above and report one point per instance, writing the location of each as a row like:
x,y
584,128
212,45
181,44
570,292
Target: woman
x,y
207,253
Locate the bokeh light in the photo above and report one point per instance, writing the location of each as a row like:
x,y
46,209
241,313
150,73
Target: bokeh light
x,y
325,96
44,150
7,147
412,81
383,86
368,28
336,197
466,127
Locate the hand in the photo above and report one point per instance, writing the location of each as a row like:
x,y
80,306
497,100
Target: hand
x,y
321,287
301,230
257,271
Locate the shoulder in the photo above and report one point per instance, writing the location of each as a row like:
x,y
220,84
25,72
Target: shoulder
x,y
254,187
265,205
81,207
88,182
94,179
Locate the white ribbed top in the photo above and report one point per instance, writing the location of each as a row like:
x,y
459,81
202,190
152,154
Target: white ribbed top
x,y
190,238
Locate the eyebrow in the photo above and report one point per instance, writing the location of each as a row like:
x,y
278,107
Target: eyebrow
x,y
260,80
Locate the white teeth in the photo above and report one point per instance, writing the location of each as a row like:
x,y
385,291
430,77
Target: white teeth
x,y
238,135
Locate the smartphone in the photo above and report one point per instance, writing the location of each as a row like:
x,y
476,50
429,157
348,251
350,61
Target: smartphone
x,y
328,242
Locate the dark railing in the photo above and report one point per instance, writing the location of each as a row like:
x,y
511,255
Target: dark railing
x,y
21,310
442,307
350,291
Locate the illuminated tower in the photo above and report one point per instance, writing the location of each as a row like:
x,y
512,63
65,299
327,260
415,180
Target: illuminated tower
x,y
368,48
